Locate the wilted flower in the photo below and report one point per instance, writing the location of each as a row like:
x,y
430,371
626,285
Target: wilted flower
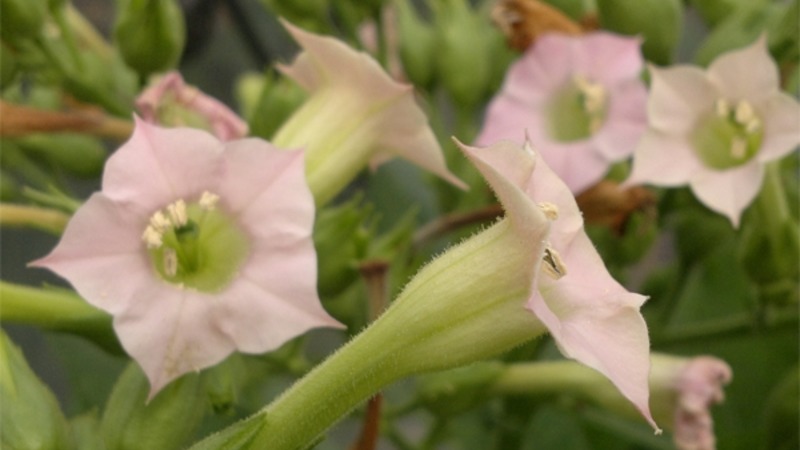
x,y
171,102
685,389
197,248
579,98
355,115
592,318
715,129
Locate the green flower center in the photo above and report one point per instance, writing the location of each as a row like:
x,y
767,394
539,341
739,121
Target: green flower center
x,y
730,137
196,245
577,110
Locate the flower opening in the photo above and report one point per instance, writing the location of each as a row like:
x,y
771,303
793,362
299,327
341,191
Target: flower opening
x,y
201,248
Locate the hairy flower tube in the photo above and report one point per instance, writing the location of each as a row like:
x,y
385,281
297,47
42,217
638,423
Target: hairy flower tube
x,y
197,248
579,98
477,300
355,115
169,101
715,129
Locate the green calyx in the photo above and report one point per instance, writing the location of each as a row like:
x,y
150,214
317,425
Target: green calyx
x,y
577,111
728,139
202,252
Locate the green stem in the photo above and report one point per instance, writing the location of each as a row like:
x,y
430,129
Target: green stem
x,y
49,220
57,310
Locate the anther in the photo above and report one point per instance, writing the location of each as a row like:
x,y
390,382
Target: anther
x,y
152,237
170,262
159,222
208,201
744,113
550,210
177,213
722,107
552,265
738,147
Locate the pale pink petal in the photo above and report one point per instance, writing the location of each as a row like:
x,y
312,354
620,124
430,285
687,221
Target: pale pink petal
x,y
597,322
323,63
404,131
610,57
592,317
698,386
626,121
507,167
745,74
663,160
102,239
728,192
170,331
259,320
509,118
780,115
254,168
157,166
546,66
577,163
679,97
392,122
172,90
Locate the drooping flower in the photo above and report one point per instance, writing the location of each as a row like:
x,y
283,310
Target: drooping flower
x,y
686,388
579,98
355,115
592,318
197,248
714,130
171,102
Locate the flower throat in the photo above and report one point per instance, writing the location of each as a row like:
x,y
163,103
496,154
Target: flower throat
x,y
195,245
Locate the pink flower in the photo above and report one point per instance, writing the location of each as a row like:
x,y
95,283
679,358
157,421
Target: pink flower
x,y
715,129
197,248
579,98
592,318
356,114
687,388
171,102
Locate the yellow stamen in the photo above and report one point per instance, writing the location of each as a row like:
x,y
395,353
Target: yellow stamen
x,y
549,209
152,237
177,213
170,262
208,201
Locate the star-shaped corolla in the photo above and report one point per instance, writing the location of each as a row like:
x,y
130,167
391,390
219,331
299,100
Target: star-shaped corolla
x,y
197,248
715,129
579,98
592,318
169,101
355,115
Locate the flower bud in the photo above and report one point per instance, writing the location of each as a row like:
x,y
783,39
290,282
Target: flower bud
x,y
132,421
21,19
150,34
659,22
30,417
77,154
417,45
463,40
